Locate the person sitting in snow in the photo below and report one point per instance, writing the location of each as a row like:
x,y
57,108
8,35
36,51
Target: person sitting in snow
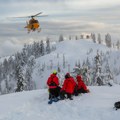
x,y
81,87
68,87
53,84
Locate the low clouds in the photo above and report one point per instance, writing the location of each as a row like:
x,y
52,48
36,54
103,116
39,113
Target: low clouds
x,y
9,48
68,17
12,40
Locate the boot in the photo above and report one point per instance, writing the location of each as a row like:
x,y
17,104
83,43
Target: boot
x,y
71,98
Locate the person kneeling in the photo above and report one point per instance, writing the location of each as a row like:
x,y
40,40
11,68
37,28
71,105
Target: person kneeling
x,y
81,87
68,87
53,84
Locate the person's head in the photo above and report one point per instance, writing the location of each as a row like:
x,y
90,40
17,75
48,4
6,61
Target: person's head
x,y
55,72
78,75
67,75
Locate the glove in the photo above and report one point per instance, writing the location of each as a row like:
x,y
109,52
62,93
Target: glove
x,y
88,91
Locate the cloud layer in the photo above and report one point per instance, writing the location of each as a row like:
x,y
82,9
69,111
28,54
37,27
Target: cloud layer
x,y
65,17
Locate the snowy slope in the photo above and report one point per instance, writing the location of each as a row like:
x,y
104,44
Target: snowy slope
x,y
96,105
74,51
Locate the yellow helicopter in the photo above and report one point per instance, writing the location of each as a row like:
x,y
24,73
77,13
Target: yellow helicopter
x,y
33,24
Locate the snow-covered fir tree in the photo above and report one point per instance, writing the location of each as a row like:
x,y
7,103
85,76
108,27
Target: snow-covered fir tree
x,y
24,54
48,50
118,44
11,63
28,75
64,65
6,67
19,78
99,38
81,36
42,49
98,80
93,37
61,38
108,40
76,37
108,73
70,37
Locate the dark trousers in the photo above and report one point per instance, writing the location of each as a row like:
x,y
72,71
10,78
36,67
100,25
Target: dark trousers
x,y
81,90
75,91
63,93
54,92
69,95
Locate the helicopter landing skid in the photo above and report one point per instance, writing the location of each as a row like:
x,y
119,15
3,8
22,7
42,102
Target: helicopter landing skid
x,y
39,30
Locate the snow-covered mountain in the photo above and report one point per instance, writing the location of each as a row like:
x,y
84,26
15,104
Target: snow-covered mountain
x,y
67,54
64,58
96,105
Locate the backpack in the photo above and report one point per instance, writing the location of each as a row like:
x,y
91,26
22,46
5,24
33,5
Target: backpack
x,y
117,105
52,83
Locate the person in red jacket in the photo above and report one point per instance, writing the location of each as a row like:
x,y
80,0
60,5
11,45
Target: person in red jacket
x,y
81,87
68,87
53,84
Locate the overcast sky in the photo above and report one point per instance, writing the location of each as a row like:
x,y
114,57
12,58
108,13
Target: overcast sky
x,y
64,17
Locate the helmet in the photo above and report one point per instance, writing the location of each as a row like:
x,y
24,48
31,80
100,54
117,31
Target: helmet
x,y
54,72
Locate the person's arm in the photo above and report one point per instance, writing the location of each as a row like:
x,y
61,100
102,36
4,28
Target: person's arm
x,y
48,82
85,87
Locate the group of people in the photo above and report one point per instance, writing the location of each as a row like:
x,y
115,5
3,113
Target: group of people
x,y
69,88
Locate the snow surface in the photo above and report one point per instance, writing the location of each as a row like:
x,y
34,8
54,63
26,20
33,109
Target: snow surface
x,y
33,105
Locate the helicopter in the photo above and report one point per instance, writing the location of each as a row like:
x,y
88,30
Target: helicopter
x,y
33,24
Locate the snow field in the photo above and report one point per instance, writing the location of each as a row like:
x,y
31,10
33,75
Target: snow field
x,y
96,105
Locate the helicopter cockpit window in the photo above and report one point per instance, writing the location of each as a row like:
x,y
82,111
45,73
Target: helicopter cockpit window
x,y
35,21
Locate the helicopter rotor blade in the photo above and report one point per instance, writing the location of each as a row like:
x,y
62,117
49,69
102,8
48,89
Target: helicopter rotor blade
x,y
30,16
42,16
37,14
21,17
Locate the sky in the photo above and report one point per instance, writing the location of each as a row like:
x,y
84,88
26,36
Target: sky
x,y
67,17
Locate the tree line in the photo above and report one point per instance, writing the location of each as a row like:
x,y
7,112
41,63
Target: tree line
x,y
16,71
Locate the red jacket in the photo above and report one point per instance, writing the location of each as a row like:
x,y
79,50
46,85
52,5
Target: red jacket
x,y
81,84
53,81
69,85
